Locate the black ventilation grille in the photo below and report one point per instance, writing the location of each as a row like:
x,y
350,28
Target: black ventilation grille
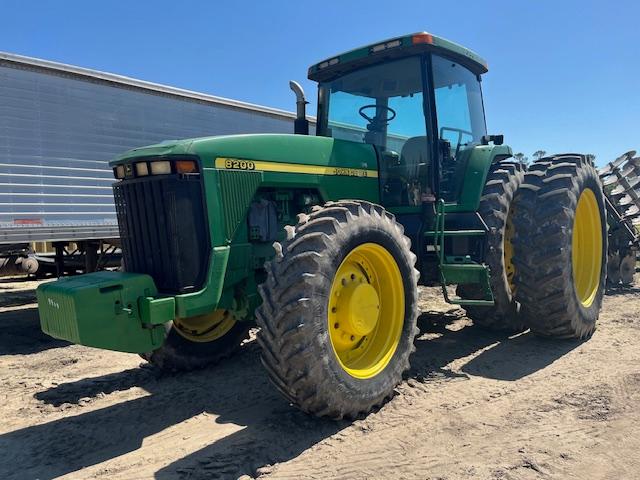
x,y
163,230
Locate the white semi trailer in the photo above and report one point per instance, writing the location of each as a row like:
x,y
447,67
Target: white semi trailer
x,y
61,124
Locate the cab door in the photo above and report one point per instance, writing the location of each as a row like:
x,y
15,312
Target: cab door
x,y
459,123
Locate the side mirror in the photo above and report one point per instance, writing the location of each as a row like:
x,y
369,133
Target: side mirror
x,y
496,139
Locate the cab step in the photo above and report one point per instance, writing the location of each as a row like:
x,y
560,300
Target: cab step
x,y
460,269
460,274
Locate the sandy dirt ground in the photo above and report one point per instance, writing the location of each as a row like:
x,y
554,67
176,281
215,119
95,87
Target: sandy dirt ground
x,y
475,405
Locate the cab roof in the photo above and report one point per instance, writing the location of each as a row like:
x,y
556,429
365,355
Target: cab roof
x,y
393,48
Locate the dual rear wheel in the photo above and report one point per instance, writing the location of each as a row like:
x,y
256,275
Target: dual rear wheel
x,y
546,247
560,247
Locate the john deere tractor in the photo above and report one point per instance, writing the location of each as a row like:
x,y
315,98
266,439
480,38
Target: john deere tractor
x,y
322,240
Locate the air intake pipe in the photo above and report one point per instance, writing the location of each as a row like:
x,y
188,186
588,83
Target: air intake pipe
x,y
301,124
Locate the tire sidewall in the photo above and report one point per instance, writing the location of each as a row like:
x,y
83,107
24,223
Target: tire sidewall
x,y
351,236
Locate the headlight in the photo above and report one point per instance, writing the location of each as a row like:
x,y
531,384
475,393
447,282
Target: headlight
x,y
142,170
160,168
118,172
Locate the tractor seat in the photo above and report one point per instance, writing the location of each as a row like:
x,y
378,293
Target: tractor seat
x,y
406,178
415,154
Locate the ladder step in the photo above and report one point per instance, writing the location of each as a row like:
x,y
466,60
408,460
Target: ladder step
x,y
461,269
464,266
457,261
464,273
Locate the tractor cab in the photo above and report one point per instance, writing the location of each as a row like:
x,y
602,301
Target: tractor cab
x,y
417,101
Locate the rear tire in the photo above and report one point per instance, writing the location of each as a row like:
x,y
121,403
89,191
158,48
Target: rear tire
x,y
561,247
496,210
306,348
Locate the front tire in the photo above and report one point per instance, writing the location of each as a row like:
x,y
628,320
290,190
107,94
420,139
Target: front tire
x,y
561,247
339,310
199,342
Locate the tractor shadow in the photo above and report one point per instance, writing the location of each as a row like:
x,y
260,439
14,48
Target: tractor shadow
x,y
21,333
16,298
449,336
614,290
238,392
19,321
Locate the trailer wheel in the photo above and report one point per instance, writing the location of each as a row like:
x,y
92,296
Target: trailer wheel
x,y
339,310
199,341
561,247
497,211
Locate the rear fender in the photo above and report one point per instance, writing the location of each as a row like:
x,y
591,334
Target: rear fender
x,y
475,176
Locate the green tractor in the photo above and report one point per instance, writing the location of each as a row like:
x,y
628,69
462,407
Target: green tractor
x,y
323,240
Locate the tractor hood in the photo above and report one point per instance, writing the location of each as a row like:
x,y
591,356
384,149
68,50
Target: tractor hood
x,y
276,148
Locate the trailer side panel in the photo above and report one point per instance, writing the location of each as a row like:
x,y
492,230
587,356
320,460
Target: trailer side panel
x,y
60,125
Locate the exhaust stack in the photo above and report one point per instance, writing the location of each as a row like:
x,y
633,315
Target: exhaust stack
x,y
301,124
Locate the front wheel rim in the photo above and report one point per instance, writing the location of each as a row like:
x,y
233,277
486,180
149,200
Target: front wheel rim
x,y
586,245
366,310
205,328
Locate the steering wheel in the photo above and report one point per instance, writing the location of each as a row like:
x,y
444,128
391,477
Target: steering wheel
x,y
369,119
460,132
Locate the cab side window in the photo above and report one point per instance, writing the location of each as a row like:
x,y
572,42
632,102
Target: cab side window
x,y
460,117
383,105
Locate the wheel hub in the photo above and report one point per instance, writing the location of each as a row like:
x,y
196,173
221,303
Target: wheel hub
x,y
358,307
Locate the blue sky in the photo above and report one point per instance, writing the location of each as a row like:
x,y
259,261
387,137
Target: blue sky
x,y
563,75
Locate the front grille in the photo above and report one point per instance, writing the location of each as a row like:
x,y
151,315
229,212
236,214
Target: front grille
x,y
163,230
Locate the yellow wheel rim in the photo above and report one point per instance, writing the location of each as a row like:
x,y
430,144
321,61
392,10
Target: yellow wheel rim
x,y
205,328
507,249
586,244
366,310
